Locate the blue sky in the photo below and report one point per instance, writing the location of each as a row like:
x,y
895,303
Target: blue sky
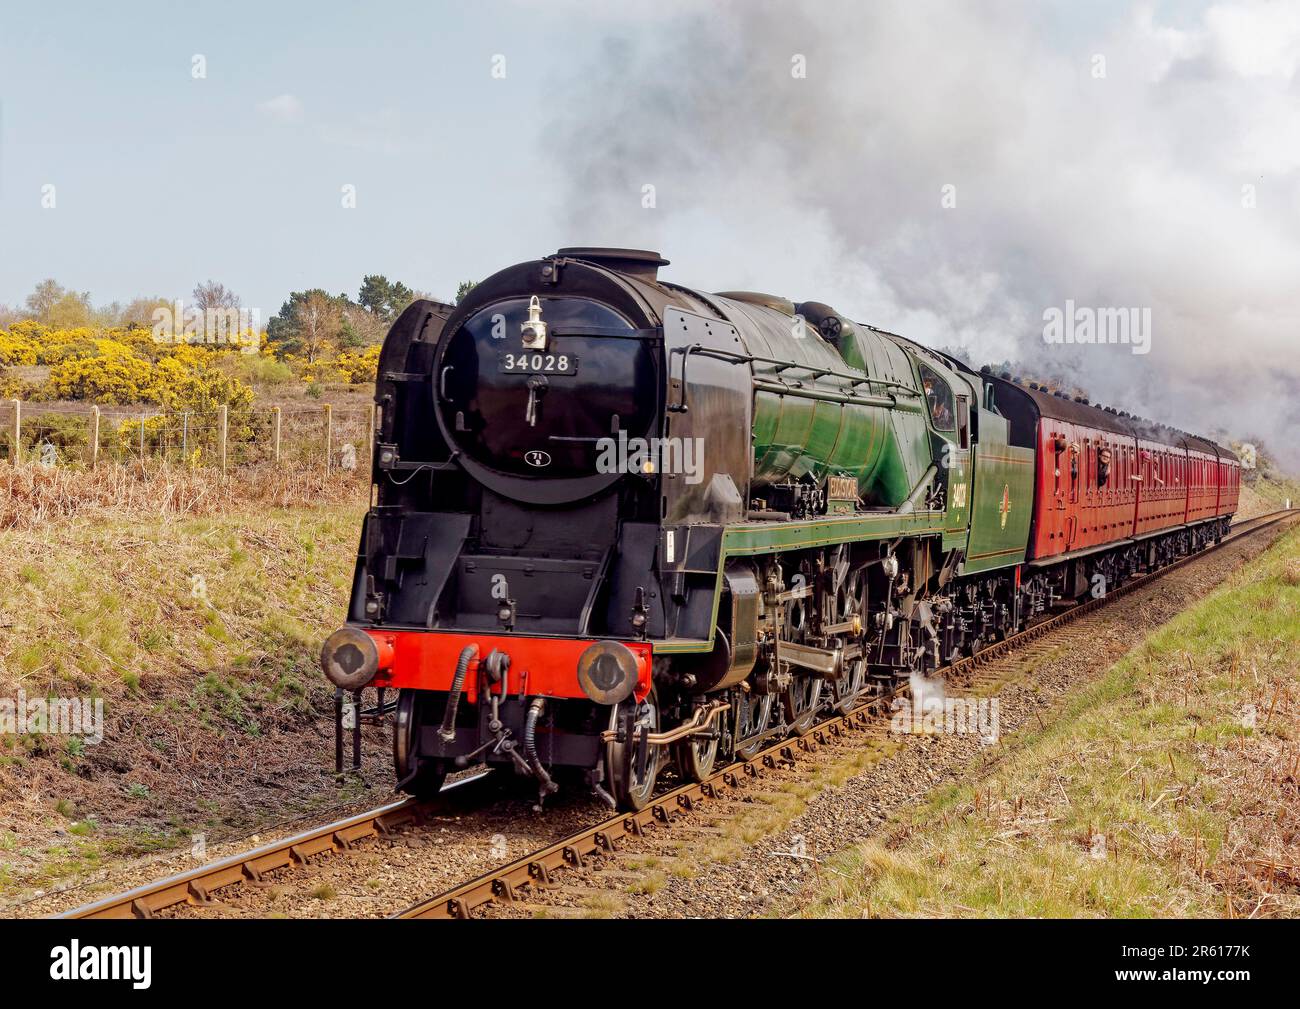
x,y
163,180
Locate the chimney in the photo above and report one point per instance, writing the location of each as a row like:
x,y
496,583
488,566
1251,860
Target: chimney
x,y
639,263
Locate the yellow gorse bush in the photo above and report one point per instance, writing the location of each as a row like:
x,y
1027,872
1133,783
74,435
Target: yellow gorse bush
x,y
109,378
16,349
361,367
124,366
185,380
31,343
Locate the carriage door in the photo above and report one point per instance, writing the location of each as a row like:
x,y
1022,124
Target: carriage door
x,y
1073,474
1145,486
1060,483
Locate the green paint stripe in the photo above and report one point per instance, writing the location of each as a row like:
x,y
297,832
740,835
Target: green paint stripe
x,y
1011,462
999,553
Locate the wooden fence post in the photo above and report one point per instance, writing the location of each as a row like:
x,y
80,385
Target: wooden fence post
x,y
222,428
94,436
329,434
16,455
275,430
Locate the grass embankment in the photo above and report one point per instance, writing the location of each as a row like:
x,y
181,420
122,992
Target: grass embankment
x,y
1276,491
1168,787
1266,489
201,633
40,498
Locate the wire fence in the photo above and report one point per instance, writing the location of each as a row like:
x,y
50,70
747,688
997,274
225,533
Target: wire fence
x,y
77,434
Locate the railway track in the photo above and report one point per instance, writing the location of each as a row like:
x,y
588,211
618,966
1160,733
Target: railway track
x,y
196,886
516,884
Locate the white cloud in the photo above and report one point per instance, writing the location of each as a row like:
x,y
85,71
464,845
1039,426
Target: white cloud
x,y
285,108
1256,39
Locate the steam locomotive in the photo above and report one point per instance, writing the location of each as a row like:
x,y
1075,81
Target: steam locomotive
x,y
620,525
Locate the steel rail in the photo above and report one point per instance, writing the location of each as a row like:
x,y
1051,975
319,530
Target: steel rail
x,y
196,886
502,885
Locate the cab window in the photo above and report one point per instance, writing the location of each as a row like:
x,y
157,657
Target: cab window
x,y
938,398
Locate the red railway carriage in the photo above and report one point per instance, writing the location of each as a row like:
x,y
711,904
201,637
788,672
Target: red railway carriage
x,y
1162,490
1228,483
1202,479
1103,478
1084,492
1182,479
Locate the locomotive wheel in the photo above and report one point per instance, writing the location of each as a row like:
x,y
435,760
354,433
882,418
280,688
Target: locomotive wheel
x,y
802,702
633,791
695,756
851,685
753,717
853,596
416,775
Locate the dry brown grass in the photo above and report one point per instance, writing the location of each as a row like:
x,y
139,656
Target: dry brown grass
x,y
32,495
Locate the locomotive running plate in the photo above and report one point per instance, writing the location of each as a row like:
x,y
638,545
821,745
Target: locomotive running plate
x,y
535,363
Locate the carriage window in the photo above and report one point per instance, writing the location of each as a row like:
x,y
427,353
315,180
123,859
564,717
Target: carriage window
x,y
963,422
938,397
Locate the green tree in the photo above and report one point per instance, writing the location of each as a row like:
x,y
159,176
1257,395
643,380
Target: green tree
x,y
308,323
373,296
214,295
464,288
382,298
47,294
350,336
56,306
138,314
70,311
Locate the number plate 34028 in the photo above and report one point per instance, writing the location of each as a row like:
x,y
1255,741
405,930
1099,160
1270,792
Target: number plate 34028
x,y
537,363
